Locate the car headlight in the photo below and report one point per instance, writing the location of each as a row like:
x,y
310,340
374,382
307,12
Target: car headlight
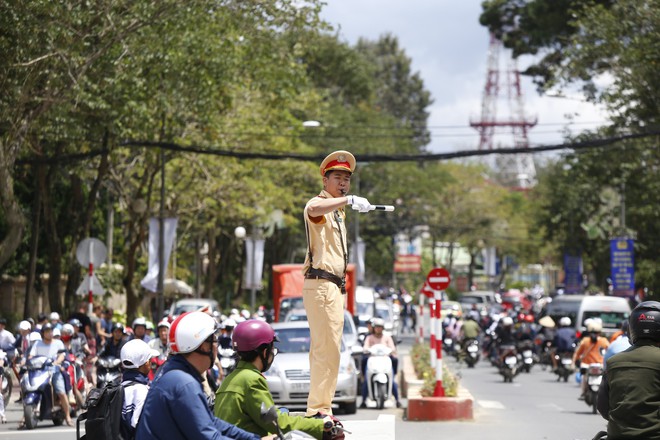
x,y
272,371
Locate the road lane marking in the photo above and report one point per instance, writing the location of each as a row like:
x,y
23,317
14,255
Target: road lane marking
x,y
491,404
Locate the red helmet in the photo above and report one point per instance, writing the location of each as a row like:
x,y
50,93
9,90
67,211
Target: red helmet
x,y
529,318
250,335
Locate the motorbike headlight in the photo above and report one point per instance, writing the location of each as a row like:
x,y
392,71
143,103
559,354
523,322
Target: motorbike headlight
x,y
347,368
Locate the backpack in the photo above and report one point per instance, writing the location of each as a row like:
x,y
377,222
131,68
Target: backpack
x,y
103,416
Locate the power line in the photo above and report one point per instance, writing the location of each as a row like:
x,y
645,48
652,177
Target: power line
x,y
215,151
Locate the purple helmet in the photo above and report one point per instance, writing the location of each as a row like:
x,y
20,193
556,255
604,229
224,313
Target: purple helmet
x,y
249,335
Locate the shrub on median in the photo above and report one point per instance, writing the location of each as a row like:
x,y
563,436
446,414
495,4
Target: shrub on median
x,y
421,359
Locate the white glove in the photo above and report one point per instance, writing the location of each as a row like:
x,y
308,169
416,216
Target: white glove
x,y
360,204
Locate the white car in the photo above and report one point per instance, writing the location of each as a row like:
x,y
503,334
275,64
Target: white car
x,y
288,377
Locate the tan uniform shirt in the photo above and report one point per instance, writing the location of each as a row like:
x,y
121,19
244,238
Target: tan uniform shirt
x,y
327,245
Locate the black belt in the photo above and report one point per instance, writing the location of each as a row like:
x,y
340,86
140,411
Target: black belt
x,y
314,273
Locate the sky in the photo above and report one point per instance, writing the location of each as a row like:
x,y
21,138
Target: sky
x,y
449,48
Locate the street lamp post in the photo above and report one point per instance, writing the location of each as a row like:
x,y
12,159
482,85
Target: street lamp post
x,y
239,233
160,302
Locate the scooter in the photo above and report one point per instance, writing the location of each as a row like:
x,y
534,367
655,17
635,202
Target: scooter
x,y
5,376
564,366
227,360
511,365
156,362
594,377
38,393
379,374
471,352
525,349
75,380
107,371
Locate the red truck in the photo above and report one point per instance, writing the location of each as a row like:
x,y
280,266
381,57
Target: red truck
x,y
288,284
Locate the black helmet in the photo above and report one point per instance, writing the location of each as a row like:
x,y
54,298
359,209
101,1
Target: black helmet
x,y
118,326
645,322
46,326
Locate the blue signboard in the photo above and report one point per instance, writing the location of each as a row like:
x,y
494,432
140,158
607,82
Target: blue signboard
x,y
622,258
572,273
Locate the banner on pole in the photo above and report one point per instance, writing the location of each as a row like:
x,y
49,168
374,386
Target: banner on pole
x,y
150,281
622,259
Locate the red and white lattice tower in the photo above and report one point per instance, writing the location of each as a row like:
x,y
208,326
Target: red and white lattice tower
x,y
515,170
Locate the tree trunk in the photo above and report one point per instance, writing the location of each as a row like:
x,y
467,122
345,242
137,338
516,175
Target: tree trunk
x,y
53,244
9,207
28,307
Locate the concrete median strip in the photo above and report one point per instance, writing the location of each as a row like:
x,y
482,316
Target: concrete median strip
x,y
380,429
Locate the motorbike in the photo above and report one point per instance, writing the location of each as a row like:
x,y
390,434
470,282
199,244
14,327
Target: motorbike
x,y
564,366
379,374
5,376
545,352
156,362
75,380
227,360
594,377
449,346
108,371
38,393
511,364
525,350
270,415
471,352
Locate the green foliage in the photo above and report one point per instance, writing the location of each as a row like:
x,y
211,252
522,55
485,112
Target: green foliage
x,y
420,356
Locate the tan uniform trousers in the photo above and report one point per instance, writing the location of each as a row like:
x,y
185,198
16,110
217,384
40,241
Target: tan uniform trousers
x,y
324,304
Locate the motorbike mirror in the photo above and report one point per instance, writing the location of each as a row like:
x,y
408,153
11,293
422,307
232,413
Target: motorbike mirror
x,y
268,415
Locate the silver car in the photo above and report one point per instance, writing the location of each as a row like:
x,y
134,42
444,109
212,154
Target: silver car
x,y
288,377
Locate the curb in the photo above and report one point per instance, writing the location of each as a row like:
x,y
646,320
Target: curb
x,y
432,408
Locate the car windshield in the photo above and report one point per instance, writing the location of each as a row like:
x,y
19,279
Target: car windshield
x,y
382,312
184,308
294,340
365,308
471,300
611,320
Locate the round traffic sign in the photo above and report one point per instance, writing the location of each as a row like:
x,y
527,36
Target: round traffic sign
x,y
438,278
91,250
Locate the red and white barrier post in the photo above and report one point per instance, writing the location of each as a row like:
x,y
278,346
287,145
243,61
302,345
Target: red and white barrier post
x,y
439,390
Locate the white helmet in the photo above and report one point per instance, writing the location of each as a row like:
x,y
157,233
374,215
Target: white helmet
x,y
378,322
163,323
228,323
190,330
136,353
507,321
595,326
35,336
24,325
139,321
67,329
565,321
54,316
245,314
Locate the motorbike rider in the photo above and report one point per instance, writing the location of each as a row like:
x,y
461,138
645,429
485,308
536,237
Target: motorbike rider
x,y
53,349
469,330
227,330
379,337
563,341
629,395
139,330
135,356
176,407
160,343
589,351
621,343
112,347
504,338
243,391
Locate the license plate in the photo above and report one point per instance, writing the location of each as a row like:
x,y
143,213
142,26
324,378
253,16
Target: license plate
x,y
566,361
299,386
510,360
472,348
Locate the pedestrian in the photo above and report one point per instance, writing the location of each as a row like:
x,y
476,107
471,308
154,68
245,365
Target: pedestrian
x,y
325,276
629,395
176,407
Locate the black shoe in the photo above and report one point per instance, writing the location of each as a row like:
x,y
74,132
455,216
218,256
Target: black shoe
x,y
398,404
317,416
363,405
